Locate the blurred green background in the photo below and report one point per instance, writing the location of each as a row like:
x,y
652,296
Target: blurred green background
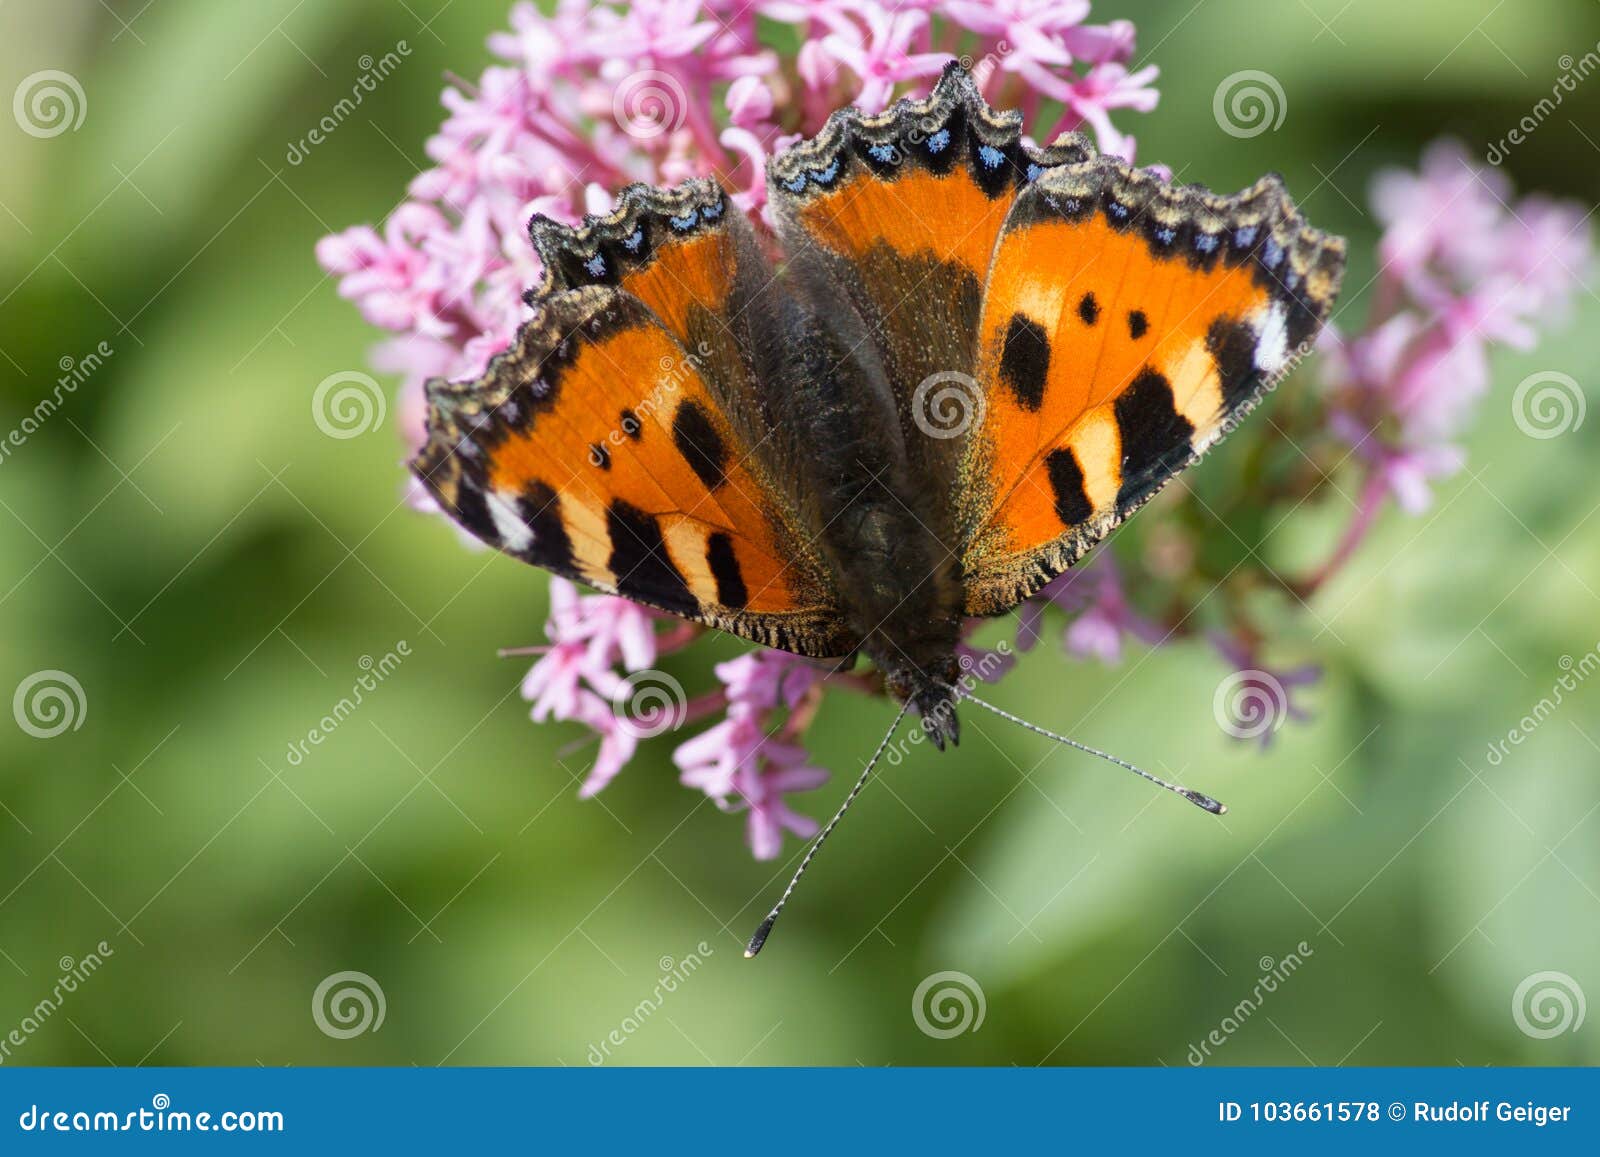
x,y
211,569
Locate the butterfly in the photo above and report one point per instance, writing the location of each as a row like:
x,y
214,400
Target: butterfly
x,y
972,360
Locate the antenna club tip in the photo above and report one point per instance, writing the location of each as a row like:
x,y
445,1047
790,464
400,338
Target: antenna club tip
x,y
1206,803
760,937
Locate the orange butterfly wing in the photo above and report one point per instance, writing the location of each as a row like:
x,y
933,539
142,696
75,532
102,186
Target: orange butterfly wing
x,y
599,447
1127,326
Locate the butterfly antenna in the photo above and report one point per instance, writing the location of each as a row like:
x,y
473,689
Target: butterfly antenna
x,y
765,930
1205,802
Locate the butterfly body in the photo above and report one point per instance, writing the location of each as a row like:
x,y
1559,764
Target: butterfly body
x,y
971,361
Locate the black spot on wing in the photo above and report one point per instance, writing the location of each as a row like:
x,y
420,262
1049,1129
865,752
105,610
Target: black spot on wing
x,y
1089,309
639,559
1066,483
631,426
1138,324
599,455
724,565
1025,361
541,510
1155,437
1232,344
696,438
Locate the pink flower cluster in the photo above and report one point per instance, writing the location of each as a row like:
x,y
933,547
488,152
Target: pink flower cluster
x,y
598,94
1464,268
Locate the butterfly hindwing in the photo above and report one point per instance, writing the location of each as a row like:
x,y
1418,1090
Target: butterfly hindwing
x,y
1127,325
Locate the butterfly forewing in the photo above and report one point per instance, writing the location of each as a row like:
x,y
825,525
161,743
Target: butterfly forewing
x,y
598,448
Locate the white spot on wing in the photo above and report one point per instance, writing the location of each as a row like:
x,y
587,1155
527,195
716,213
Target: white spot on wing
x,y
1272,347
514,533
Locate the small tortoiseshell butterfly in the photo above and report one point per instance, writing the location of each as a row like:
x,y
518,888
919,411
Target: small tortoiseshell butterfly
x,y
761,450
